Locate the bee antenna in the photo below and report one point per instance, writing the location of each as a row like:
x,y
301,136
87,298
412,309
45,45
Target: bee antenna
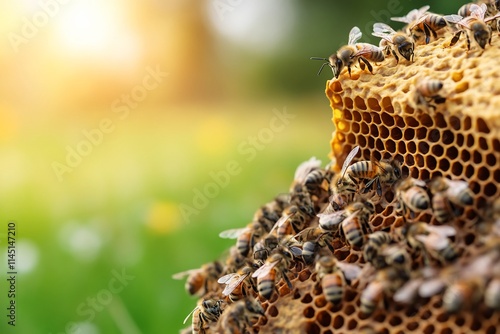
x,y
319,58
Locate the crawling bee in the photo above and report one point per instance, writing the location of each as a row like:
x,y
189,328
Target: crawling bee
x,y
314,238
208,310
398,41
411,196
447,196
341,186
385,171
421,21
333,276
432,240
235,283
475,24
278,262
200,281
239,317
298,219
372,247
245,237
492,294
425,92
386,282
348,54
463,292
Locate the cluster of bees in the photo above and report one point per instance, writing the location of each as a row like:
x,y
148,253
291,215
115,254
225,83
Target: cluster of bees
x,y
473,20
324,212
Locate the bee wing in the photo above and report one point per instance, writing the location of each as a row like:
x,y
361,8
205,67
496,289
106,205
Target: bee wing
x,y
382,28
478,11
280,222
347,162
412,15
364,49
264,269
431,287
337,216
453,18
190,314
442,230
305,168
351,271
226,278
184,274
354,35
407,293
232,233
433,241
233,284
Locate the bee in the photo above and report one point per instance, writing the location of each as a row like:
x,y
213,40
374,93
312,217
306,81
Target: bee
x,y
352,219
266,274
302,172
421,21
426,91
492,294
235,283
463,292
314,182
208,310
398,41
298,219
386,282
372,247
432,240
234,260
245,237
475,25
262,249
411,196
314,238
348,54
200,281
379,172
457,191
342,186
333,276
239,316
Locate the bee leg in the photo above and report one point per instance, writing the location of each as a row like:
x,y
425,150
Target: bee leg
x,y
330,247
361,65
455,38
370,68
379,188
427,32
439,99
468,42
349,70
287,280
395,56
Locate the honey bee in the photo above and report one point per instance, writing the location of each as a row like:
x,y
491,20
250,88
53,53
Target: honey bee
x,y
492,294
380,172
239,316
458,192
208,310
372,247
475,25
302,172
246,237
200,281
421,21
352,219
297,220
463,292
348,54
386,282
266,274
342,186
314,238
425,92
411,196
432,240
333,276
235,283
398,41
262,248
314,182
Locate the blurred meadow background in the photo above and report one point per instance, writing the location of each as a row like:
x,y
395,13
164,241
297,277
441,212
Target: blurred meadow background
x,y
115,115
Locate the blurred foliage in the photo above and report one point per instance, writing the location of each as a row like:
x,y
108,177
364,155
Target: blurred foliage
x,y
118,209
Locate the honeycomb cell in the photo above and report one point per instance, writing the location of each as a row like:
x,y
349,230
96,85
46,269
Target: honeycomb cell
x,y
386,104
437,150
306,299
440,121
459,321
447,137
457,168
446,331
356,116
390,146
496,144
426,120
475,325
374,130
455,123
409,134
430,162
477,158
412,147
483,144
496,176
373,104
348,103
423,147
491,330
324,318
338,322
412,325
400,122
376,118
361,140
336,86
379,145
349,309
352,324
396,134
411,122
312,328
365,129
444,165
460,139
309,312
359,103
464,155
470,140
429,329
469,171
320,302
483,174
387,119
355,127
425,175
272,311
434,136
482,126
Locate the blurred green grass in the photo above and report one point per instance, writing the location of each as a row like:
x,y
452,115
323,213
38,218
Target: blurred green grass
x,y
118,210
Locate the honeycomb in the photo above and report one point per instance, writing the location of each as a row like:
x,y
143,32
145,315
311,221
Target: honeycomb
x,y
458,138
